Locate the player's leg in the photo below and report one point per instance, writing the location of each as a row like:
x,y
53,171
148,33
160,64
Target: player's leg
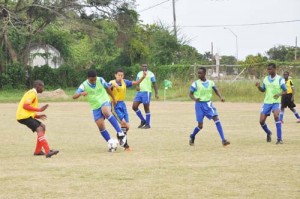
x,y
281,113
278,125
101,126
106,111
220,130
292,107
135,106
195,132
265,112
148,116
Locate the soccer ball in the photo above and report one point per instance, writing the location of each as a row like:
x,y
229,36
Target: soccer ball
x,y
112,145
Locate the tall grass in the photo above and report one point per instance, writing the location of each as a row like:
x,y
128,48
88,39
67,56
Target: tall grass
x,y
238,91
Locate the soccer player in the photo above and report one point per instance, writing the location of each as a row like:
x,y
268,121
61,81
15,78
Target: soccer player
x,y
287,99
97,91
274,87
26,114
119,88
201,93
144,96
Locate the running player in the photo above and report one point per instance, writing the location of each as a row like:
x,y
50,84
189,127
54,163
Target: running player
x,y
144,96
287,99
274,87
97,91
201,93
26,114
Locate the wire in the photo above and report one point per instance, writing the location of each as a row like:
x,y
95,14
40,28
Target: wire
x,y
153,6
235,25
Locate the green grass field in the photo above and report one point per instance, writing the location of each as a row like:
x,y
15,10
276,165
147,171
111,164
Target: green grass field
x,y
161,165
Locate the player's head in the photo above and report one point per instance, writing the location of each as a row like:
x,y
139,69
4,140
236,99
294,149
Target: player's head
x,y
144,67
201,73
286,75
271,69
38,85
119,75
92,76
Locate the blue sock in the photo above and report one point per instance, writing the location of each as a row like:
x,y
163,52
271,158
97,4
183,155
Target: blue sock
x,y
265,128
140,115
296,113
281,115
114,123
220,129
105,135
196,130
148,115
278,128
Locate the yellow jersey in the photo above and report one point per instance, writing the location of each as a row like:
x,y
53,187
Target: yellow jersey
x,y
119,92
30,97
289,86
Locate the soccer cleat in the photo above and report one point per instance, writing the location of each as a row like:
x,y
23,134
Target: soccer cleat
x,y
298,120
51,153
269,139
122,140
279,142
147,126
142,124
225,142
192,141
111,150
127,147
38,154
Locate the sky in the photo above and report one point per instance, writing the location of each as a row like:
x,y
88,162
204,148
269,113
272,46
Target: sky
x,y
249,39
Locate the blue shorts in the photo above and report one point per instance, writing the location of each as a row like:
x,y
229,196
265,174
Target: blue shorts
x,y
143,97
120,111
205,109
98,112
268,108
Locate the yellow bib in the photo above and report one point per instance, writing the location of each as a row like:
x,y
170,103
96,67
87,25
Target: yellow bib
x,y
289,84
119,92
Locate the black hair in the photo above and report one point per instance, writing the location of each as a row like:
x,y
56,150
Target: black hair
x,y
202,68
120,70
287,72
91,73
273,65
37,83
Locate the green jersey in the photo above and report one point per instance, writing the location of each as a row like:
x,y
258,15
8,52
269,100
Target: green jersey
x,y
97,94
146,84
272,87
203,90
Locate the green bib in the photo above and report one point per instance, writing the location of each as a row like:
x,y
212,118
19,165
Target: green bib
x,y
146,84
272,88
202,92
96,96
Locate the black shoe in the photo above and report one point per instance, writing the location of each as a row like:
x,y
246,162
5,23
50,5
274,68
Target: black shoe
x,y
51,153
192,141
122,140
269,139
147,126
142,124
279,142
225,143
40,153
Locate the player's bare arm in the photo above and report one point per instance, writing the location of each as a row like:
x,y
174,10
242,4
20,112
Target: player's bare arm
x,y
155,90
257,84
136,83
77,95
109,92
219,95
193,97
293,94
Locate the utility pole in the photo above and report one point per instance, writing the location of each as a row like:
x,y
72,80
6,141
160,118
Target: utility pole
x,y
174,19
296,49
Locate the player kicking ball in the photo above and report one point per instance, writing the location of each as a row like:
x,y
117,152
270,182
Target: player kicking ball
x,y
119,89
201,93
97,91
274,87
26,114
287,99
